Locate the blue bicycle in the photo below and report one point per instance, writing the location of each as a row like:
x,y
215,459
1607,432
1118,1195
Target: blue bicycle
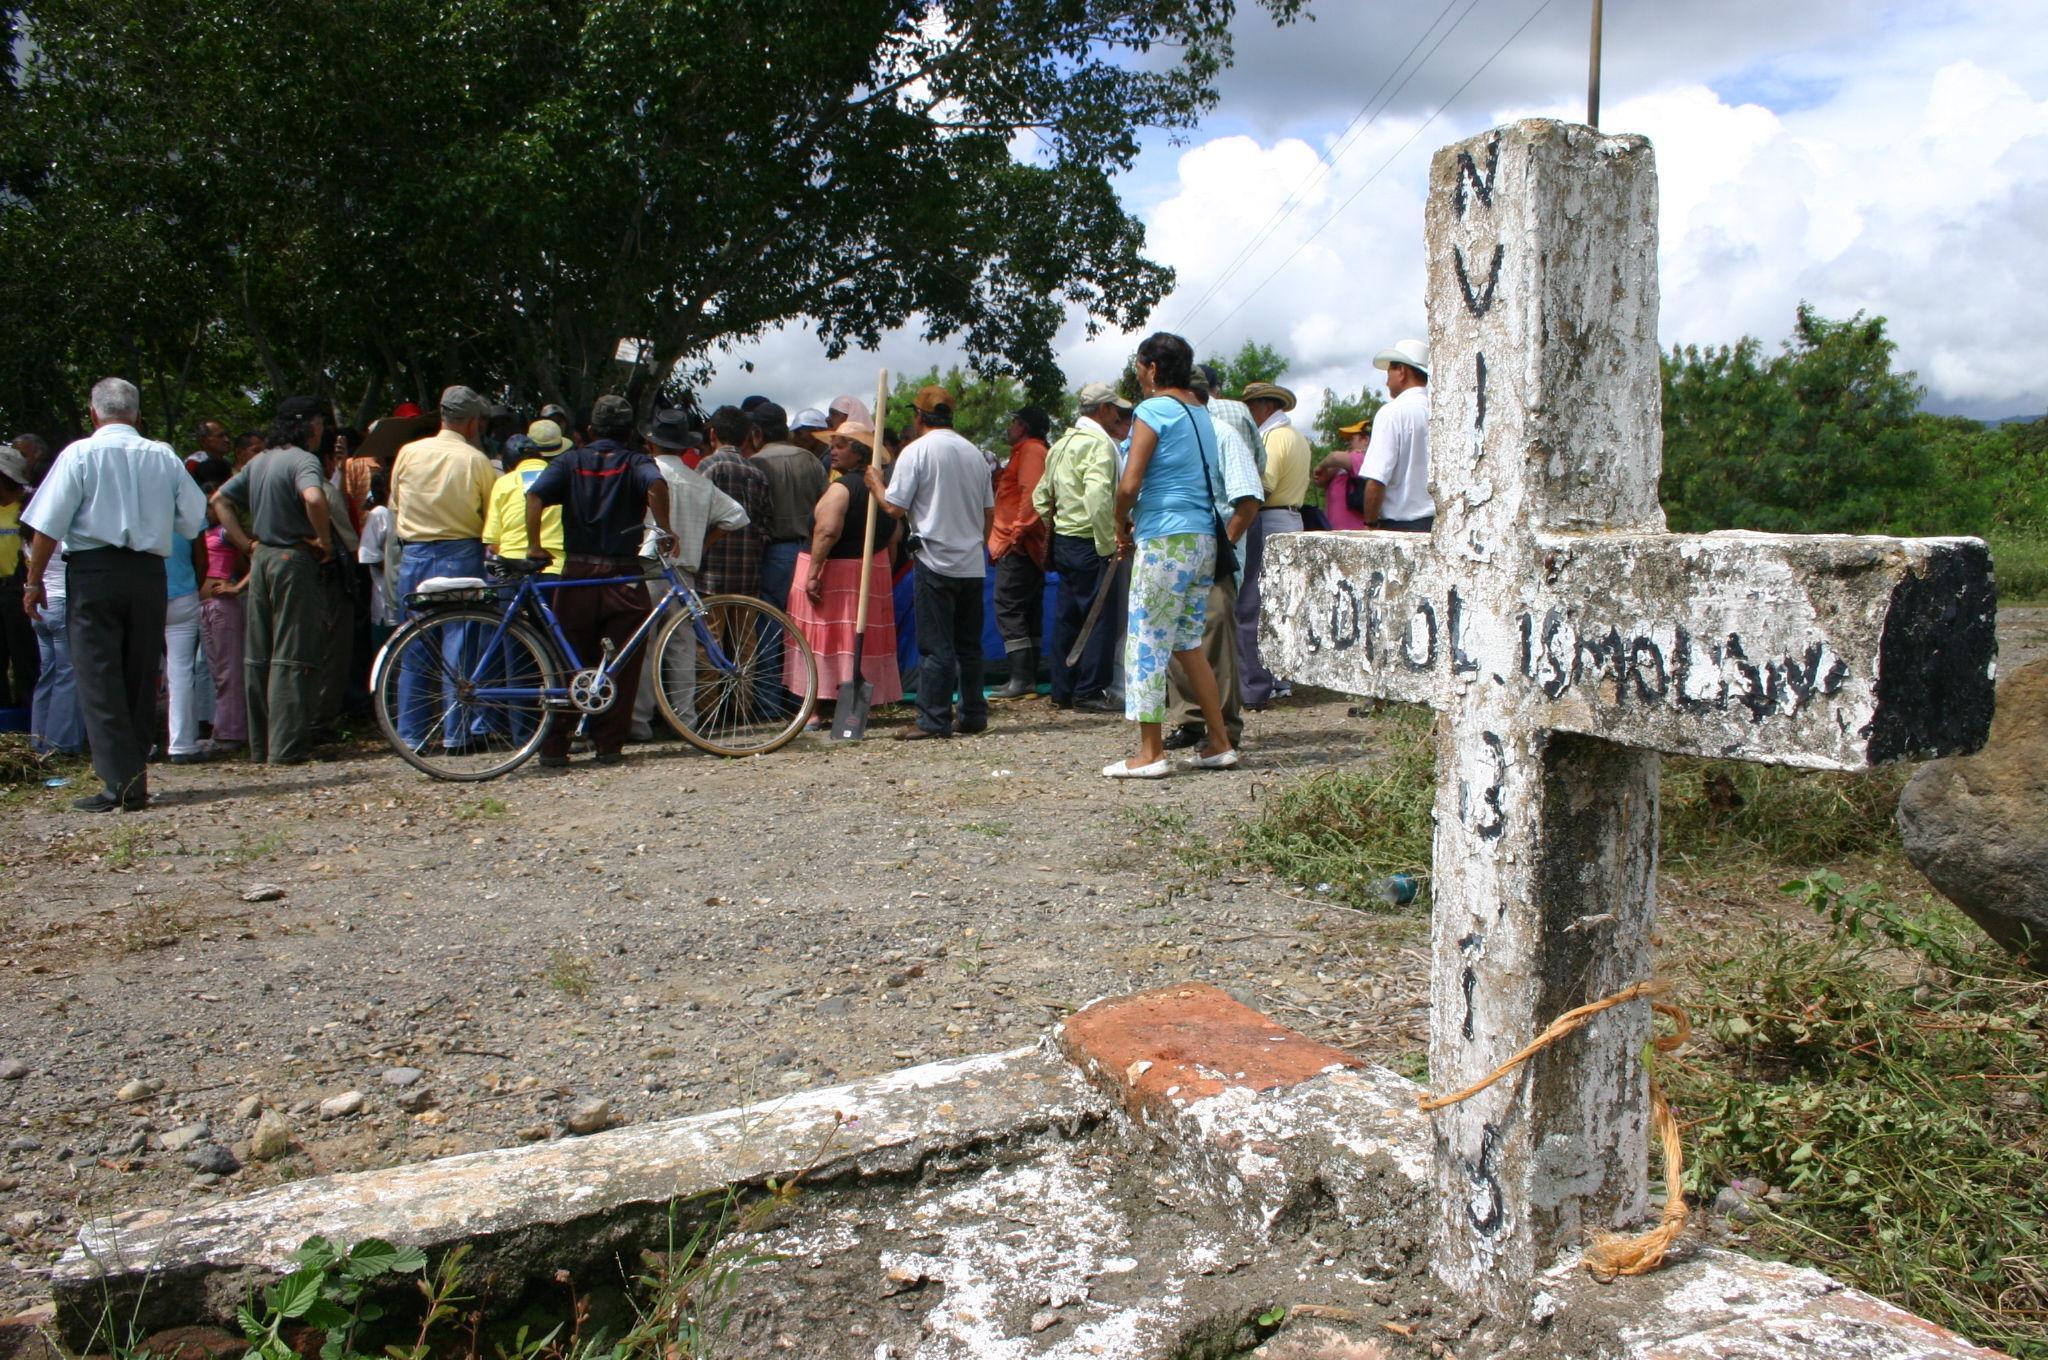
x,y
466,690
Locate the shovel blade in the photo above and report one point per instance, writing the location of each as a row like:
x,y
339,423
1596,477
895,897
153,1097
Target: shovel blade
x,y
850,713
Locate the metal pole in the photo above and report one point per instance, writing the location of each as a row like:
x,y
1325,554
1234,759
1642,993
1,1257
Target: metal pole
x,y
1593,71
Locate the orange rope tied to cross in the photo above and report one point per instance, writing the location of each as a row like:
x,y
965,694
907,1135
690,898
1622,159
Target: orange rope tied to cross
x,y
1613,1254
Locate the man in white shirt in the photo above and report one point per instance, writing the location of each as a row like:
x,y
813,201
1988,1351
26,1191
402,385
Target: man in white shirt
x,y
1396,465
113,501
699,514
941,485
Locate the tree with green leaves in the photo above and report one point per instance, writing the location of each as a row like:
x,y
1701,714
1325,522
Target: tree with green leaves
x,y
1339,411
1821,438
369,199
1254,362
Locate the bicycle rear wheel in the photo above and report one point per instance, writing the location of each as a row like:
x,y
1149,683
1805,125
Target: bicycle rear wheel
x,y
457,705
720,677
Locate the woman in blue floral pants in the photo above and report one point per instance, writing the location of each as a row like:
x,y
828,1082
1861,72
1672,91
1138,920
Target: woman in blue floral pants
x,y
1166,518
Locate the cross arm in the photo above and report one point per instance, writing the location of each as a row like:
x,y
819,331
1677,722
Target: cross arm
x,y
1826,651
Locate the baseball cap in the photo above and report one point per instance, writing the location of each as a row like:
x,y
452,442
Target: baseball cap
x,y
810,418
934,399
1100,394
300,408
1360,428
462,403
13,465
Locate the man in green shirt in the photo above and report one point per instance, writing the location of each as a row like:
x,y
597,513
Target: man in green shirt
x,y
1076,495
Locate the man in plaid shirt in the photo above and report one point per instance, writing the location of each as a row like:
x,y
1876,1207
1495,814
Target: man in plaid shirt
x,y
732,565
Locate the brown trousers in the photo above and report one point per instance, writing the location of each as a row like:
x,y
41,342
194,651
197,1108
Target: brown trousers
x,y
590,617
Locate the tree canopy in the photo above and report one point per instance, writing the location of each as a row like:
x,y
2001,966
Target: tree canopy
x,y
370,198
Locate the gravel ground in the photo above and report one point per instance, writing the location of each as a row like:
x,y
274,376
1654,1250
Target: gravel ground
x,y
675,935
481,962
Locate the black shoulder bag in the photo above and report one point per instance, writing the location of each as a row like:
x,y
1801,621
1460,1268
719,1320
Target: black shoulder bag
x,y
1226,551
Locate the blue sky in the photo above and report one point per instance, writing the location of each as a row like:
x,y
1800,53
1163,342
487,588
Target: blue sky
x,y
1859,154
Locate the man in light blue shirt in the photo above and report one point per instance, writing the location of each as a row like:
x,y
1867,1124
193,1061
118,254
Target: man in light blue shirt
x,y
116,503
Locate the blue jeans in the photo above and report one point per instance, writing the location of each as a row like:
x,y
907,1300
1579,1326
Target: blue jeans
x,y
55,723
949,638
423,561
1082,573
778,575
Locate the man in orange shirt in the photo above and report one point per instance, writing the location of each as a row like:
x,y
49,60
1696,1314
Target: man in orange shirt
x,y
1018,544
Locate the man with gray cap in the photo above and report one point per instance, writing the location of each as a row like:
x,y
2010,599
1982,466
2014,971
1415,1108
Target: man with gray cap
x,y
1076,496
795,481
286,621
440,492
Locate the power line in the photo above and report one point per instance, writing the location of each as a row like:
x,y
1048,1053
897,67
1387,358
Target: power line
x,y
1328,160
1423,127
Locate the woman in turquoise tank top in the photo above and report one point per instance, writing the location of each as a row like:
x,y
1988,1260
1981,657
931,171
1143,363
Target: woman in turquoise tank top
x,y
1166,521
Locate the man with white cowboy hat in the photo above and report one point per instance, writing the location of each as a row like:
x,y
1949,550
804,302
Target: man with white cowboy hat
x,y
1285,475
1396,465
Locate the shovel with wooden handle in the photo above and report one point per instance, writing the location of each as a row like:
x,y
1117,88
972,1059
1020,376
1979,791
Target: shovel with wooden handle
x,y
850,712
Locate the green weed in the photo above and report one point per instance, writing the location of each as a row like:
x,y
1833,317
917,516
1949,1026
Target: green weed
x,y
483,809
1350,828
2020,563
249,847
1723,814
1884,1074
570,974
987,828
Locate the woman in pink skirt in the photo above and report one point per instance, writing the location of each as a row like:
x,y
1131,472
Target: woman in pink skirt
x,y
220,619
825,597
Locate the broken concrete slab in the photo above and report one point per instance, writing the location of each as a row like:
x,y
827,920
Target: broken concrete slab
x,y
528,1211
1016,1205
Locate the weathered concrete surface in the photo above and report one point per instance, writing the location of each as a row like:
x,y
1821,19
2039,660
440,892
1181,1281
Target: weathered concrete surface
x,y
531,1210
1828,652
1567,639
1001,1207
1977,826
1260,1120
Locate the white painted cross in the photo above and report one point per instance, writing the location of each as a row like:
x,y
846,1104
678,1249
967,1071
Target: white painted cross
x,y
1565,639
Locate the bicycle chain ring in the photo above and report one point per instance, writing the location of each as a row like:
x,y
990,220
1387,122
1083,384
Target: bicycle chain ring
x,y
592,691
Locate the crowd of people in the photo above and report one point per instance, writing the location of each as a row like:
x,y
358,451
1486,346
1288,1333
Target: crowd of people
x,y
247,586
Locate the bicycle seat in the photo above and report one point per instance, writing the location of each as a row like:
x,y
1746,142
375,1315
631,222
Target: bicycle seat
x,y
443,585
506,568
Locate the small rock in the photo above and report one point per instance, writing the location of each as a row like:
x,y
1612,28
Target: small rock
x,y
273,1136
187,1135
1733,1204
771,996
134,1091
25,1222
534,1133
590,1115
652,1082
417,1099
23,1144
835,1005
1045,1318
13,1070
796,1078
263,892
402,1076
1320,1343
342,1106
248,1107
212,1159
205,1180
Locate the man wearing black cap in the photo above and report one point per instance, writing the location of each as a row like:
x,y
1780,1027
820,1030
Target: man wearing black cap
x,y
1017,545
284,623
607,490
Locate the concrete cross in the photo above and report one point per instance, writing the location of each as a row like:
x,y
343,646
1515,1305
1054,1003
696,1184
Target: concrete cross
x,y
1565,639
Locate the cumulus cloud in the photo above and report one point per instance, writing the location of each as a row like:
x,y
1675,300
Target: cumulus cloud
x,y
1886,158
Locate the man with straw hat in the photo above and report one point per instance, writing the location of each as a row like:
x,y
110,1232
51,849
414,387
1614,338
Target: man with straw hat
x,y
1285,476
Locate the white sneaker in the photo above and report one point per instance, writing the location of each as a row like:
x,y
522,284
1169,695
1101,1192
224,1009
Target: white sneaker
x,y
1222,760
1123,769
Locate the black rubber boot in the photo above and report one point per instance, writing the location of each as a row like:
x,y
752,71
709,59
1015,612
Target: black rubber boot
x,y
1023,675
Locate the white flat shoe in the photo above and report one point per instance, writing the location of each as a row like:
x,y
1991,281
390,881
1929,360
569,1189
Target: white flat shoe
x,y
1221,761
1123,769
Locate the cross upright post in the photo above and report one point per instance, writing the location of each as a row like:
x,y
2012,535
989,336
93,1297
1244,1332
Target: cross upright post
x,y
1565,640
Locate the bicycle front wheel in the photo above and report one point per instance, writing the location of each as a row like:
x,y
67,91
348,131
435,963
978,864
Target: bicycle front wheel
x,y
459,693
737,680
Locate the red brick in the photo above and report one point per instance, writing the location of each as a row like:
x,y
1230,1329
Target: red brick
x,y
1178,1044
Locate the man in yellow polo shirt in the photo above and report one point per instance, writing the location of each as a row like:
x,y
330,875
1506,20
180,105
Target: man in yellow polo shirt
x,y
505,520
440,486
1289,463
